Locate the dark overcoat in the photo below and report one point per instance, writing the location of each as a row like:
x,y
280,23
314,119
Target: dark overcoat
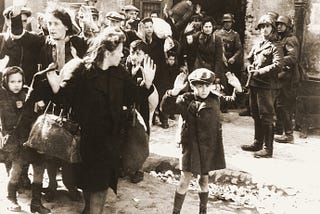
x,y
98,98
201,133
209,54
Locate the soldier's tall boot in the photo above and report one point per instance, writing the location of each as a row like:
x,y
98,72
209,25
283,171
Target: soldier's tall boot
x,y
267,150
258,138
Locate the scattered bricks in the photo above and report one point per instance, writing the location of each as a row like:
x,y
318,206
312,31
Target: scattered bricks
x,y
217,176
234,181
233,186
290,191
169,180
236,173
169,173
280,192
273,189
154,173
164,166
227,172
242,177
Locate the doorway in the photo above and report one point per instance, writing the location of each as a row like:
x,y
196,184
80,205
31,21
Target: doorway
x,y
216,9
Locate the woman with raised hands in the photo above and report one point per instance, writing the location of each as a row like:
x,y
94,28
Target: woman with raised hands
x,y
99,90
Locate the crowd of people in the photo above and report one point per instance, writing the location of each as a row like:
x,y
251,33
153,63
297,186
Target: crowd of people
x,y
101,66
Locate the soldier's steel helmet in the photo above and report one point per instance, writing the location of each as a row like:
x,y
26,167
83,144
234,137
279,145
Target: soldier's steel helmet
x,y
273,14
266,19
228,17
285,20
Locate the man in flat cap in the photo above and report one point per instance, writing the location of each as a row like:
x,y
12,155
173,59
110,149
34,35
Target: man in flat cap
x,y
115,19
131,16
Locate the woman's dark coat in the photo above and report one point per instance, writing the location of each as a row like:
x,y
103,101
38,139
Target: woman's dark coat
x,y
209,54
98,98
201,134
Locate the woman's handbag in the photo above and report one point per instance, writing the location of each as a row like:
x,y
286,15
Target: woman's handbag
x,y
56,136
135,149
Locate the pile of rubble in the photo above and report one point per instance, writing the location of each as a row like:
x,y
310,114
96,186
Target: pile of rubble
x,y
238,188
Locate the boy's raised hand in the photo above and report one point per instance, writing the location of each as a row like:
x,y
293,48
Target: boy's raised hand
x,y
179,83
148,71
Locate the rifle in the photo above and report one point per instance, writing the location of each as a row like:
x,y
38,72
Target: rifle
x,y
250,67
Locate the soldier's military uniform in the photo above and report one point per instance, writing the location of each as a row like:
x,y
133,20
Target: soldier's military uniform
x,y
232,46
232,52
289,79
266,61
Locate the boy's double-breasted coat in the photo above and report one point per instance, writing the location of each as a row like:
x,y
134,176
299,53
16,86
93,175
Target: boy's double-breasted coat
x,y
201,133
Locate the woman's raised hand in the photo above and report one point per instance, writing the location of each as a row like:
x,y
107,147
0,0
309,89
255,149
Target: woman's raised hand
x,y
141,32
17,6
149,71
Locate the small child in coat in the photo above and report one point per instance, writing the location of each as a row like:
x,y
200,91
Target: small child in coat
x,y
201,133
11,103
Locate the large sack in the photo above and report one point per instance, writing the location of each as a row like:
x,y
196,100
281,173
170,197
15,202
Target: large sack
x,y
56,136
181,13
161,28
136,145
